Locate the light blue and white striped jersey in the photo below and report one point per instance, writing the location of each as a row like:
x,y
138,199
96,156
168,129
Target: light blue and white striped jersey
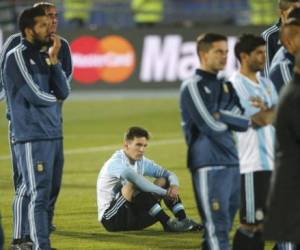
x,y
256,145
110,181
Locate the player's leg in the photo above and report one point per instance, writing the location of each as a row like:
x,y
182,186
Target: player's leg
x,y
177,208
146,207
56,182
36,162
21,232
213,204
254,191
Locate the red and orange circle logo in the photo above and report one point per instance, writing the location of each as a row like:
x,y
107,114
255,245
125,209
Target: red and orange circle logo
x,y
111,59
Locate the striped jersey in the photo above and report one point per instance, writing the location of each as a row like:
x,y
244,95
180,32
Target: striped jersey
x,y
256,145
110,181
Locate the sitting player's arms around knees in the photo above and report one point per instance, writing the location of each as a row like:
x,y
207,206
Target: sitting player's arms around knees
x,y
142,183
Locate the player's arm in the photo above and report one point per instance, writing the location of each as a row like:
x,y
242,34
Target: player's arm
x,y
141,182
281,75
154,170
67,63
58,81
24,82
195,105
10,43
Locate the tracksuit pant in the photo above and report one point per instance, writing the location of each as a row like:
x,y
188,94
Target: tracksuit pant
x,y
36,160
217,191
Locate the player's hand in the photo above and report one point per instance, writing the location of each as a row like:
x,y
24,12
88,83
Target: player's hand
x,y
54,49
172,193
257,102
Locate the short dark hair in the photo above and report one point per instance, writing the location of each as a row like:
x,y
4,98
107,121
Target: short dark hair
x,y
285,4
137,132
246,44
27,18
204,41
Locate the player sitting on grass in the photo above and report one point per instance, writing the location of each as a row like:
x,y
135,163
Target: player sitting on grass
x,y
128,201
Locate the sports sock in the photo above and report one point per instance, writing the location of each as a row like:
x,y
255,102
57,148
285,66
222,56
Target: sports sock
x,y
148,202
177,208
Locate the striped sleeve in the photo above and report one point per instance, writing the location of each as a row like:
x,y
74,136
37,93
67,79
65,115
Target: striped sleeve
x,y
154,170
23,80
67,63
9,44
269,47
195,106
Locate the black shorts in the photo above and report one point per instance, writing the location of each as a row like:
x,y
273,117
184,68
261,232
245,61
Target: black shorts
x,y
123,215
254,191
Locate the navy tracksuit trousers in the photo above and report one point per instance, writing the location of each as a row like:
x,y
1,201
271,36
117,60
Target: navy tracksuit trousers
x,y
217,191
37,161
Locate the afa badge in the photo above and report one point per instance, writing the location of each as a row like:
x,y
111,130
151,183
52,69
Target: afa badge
x,y
40,167
215,205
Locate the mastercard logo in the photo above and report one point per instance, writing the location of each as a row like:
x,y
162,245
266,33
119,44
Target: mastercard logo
x,y
111,59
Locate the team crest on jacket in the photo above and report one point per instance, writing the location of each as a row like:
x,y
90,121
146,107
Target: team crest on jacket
x,y
215,205
40,167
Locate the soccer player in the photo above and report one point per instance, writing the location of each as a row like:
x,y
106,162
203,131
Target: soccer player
x,y
255,146
282,221
282,73
35,85
127,200
20,214
210,111
271,35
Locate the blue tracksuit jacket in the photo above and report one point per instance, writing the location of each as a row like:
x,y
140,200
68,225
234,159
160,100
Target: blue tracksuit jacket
x,y
11,42
283,72
34,91
210,141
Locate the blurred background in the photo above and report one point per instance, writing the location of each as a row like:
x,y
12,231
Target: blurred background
x,y
143,44
120,13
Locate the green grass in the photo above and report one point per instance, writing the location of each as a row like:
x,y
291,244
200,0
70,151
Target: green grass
x,y
89,126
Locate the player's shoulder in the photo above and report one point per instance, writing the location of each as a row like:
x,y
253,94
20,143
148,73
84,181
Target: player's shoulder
x,y
270,32
190,81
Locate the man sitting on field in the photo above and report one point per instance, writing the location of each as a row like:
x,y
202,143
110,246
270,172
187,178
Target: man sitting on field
x,y
128,201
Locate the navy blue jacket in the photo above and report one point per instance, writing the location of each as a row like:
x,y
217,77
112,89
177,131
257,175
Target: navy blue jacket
x,y
210,140
11,42
271,36
283,72
34,91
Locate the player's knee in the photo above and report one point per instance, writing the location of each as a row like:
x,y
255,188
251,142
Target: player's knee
x,y
145,200
128,191
162,182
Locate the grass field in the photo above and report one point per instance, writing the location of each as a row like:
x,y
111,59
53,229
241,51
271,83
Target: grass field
x,y
93,130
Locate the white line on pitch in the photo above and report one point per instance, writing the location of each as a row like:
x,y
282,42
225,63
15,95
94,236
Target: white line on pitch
x,y
106,148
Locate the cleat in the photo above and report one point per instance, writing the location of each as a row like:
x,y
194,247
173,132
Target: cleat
x,y
26,245
173,225
193,225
